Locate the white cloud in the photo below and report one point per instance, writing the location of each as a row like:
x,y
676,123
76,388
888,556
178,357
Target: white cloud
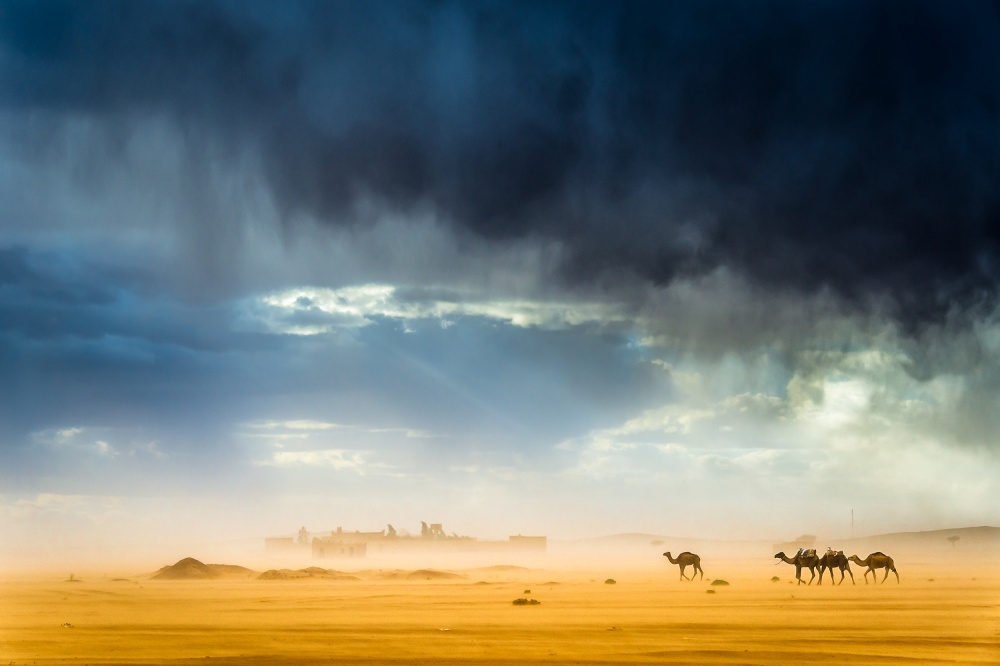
x,y
338,459
301,424
315,443
56,437
90,506
103,442
76,438
408,433
854,428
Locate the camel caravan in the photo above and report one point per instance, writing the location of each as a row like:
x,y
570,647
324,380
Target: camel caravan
x,y
806,558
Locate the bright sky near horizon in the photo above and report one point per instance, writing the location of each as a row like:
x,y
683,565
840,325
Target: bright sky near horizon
x,y
727,270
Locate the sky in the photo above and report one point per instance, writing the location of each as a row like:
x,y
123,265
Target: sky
x,y
715,269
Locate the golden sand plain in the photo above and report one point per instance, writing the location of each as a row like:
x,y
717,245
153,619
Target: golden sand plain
x,y
939,613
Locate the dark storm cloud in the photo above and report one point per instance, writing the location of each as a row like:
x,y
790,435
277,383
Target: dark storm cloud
x,y
75,351
51,296
846,145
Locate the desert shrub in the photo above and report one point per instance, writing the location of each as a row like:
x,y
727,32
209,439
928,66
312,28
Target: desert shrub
x,y
774,579
527,591
526,602
710,591
719,581
610,581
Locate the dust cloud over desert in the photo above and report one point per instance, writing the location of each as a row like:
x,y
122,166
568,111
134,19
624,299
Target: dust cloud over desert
x,y
604,600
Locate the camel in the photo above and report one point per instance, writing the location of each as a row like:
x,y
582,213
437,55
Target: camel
x,y
803,559
877,560
685,559
835,559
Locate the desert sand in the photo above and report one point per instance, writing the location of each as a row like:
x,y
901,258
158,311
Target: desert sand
x,y
939,613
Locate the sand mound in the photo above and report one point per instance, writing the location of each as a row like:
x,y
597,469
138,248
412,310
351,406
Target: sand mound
x,y
231,570
187,569
282,574
419,574
319,572
191,569
503,567
309,572
432,574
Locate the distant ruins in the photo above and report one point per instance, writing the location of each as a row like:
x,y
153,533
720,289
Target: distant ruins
x,y
341,544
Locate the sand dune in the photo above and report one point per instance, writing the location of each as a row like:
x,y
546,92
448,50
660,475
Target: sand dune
x,y
191,569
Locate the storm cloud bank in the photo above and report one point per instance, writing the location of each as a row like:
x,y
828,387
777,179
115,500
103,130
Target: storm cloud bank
x,y
851,147
369,259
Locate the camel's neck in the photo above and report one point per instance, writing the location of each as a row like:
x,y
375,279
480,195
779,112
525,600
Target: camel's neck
x,y
787,559
671,559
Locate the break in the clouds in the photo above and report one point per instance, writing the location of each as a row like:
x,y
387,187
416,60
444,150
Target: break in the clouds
x,y
415,252
311,311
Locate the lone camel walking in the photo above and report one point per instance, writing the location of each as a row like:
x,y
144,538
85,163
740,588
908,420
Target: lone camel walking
x,y
686,559
877,560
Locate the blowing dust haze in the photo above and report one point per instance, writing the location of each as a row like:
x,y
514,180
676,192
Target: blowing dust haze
x,y
715,271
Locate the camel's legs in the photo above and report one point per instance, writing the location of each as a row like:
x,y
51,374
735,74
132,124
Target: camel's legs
x,y
683,577
886,574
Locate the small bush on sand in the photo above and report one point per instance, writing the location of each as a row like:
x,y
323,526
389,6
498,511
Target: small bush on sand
x,y
526,602
719,581
610,581
710,591
774,579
